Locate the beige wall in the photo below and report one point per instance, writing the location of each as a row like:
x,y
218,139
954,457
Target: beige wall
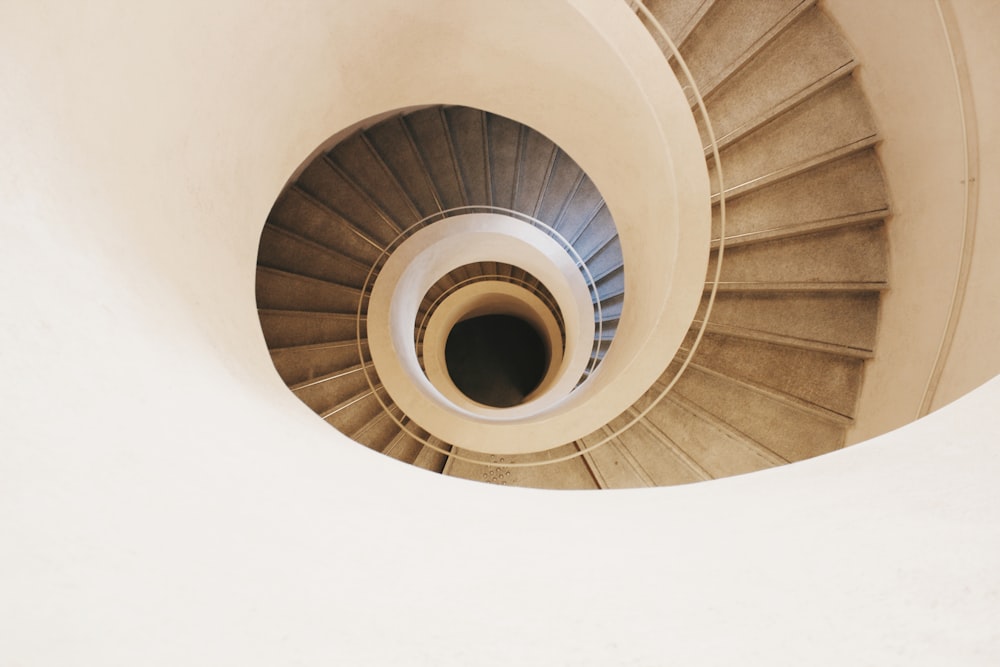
x,y
974,355
907,74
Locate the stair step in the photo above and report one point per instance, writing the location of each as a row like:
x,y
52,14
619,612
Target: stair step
x,y
611,305
844,254
775,287
468,136
825,384
613,466
643,454
603,258
784,341
397,150
788,431
328,184
433,457
325,393
839,189
288,328
562,184
595,234
378,432
403,446
303,363
805,57
772,113
535,159
433,143
283,290
289,252
834,122
357,411
729,34
829,381
584,205
678,17
802,229
845,320
302,214
361,166
716,450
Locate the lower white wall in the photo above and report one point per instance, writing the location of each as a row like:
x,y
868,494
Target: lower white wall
x,y
164,500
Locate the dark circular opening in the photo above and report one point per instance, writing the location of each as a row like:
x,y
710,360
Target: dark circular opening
x,y
496,360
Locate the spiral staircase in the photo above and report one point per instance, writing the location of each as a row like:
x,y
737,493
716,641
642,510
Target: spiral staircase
x,y
772,367
173,502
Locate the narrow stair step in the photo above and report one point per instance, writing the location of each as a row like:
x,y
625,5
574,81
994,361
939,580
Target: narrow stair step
x,y
361,166
303,363
300,213
289,252
282,290
288,328
791,433
845,319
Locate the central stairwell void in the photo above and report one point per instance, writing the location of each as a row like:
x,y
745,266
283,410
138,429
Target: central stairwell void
x,y
440,274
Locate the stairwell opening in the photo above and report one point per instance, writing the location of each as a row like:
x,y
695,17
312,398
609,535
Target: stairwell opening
x,y
496,360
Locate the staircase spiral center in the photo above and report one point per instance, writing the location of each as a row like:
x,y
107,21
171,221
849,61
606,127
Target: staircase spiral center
x,y
496,360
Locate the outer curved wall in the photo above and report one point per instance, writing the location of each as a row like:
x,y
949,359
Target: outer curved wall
x,y
908,78
164,500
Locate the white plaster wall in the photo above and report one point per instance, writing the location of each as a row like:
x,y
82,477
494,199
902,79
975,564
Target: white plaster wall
x,y
164,500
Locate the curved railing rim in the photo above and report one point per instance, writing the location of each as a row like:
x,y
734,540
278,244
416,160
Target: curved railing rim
x,y
387,251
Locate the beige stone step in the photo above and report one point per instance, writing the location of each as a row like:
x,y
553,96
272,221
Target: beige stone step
x,y
467,131
433,456
678,17
562,183
359,164
535,158
327,393
288,328
338,191
730,34
834,120
504,142
829,382
357,411
300,213
839,190
306,362
857,253
716,449
847,320
405,445
379,431
640,455
287,251
281,289
803,59
397,150
433,142
792,433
